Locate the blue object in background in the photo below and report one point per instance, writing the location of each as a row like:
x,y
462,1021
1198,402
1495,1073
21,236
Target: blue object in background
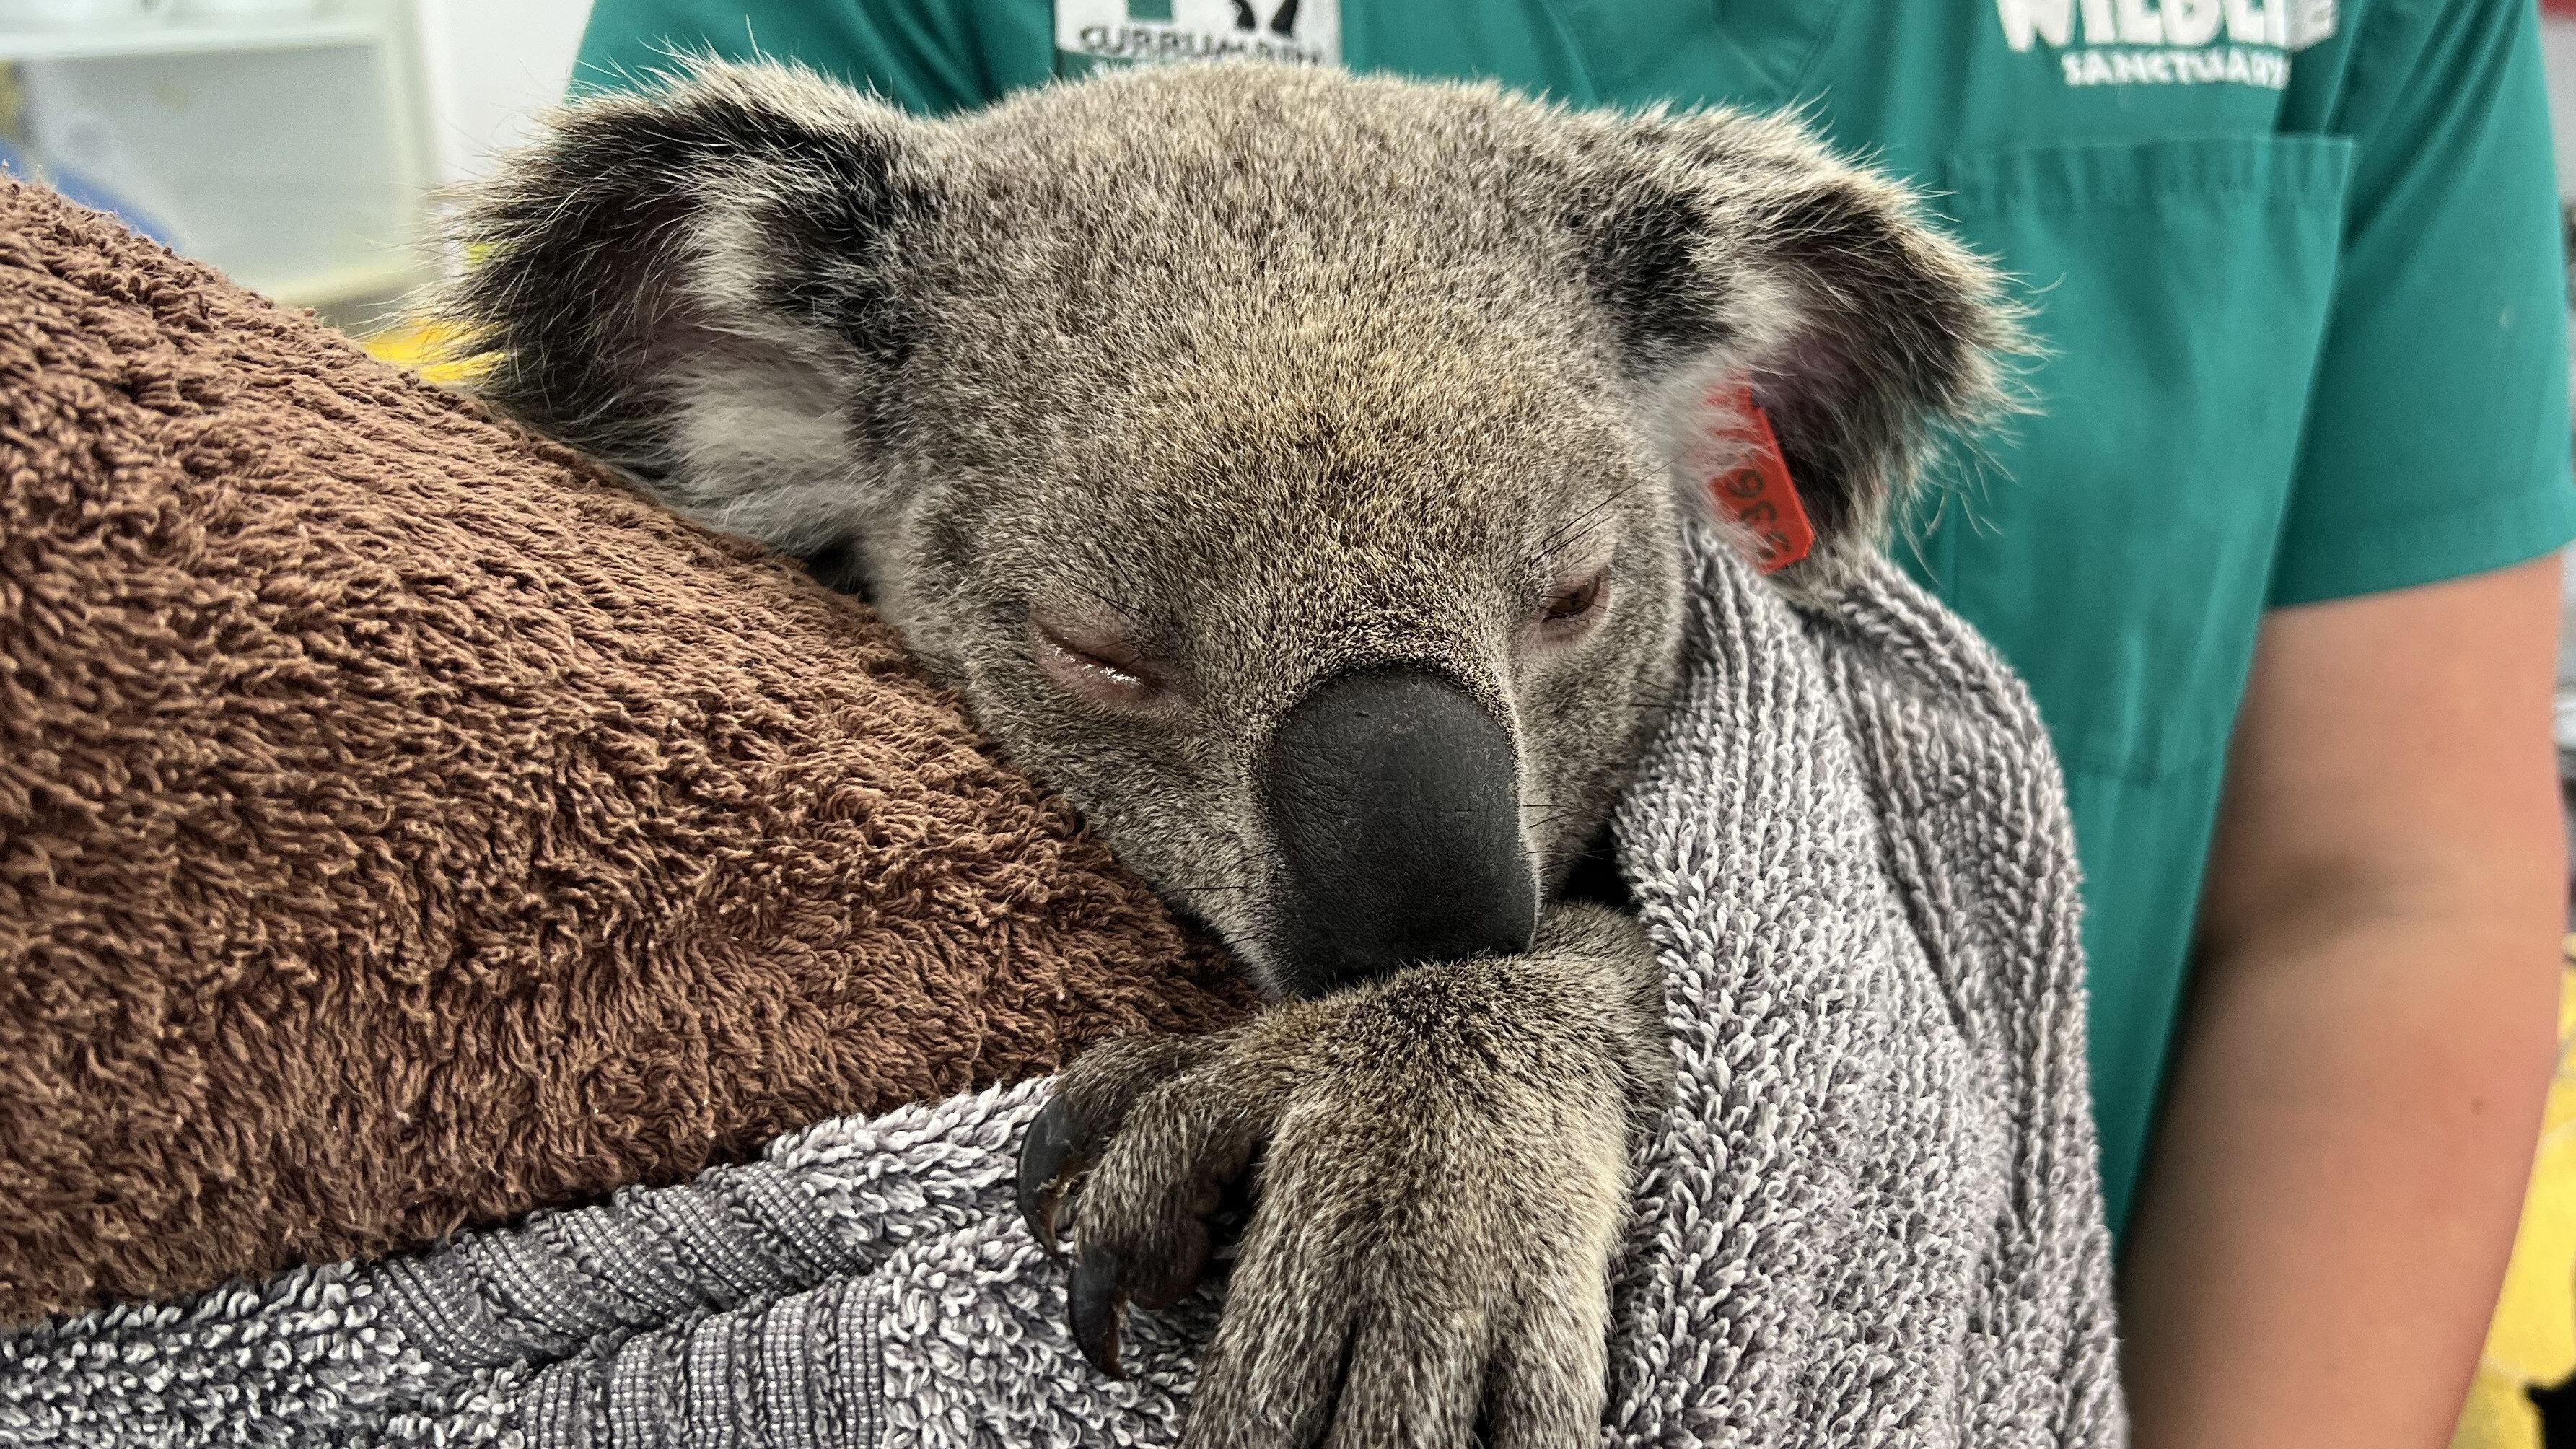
x,y
88,193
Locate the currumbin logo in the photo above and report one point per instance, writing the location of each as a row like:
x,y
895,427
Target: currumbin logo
x,y
1302,32
2170,42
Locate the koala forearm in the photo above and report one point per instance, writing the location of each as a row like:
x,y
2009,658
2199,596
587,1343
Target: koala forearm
x,y
1606,959
1444,1173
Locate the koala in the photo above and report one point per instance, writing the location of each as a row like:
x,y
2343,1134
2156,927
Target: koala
x,y
1292,469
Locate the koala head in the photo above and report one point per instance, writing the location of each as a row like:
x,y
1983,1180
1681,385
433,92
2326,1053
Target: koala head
x,y
1290,468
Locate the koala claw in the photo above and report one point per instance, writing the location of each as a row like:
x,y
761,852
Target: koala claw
x,y
1091,1104
1442,1175
1098,1307
1054,1157
1120,1140
1050,1163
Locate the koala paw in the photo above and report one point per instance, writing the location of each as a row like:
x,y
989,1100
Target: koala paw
x,y
1440,1169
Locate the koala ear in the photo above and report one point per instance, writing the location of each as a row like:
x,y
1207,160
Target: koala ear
x,y
1733,249
703,285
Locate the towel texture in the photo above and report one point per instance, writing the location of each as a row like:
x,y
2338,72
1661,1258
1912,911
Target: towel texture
x,y
403,827
1869,1219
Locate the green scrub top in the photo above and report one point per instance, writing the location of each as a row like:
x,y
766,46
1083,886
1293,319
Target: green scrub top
x,y
2296,266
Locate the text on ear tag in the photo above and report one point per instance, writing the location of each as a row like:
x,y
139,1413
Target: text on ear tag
x,y
1757,491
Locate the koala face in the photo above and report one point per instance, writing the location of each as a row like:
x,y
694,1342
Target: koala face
x,y
1289,468
1344,641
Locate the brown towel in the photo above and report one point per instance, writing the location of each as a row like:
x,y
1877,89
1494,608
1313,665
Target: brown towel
x,y
402,827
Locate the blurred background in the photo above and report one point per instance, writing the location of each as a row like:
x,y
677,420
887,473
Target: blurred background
x,y
302,145
297,144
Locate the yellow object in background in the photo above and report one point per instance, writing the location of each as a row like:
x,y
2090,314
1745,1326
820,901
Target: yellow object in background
x,y
2534,1337
426,348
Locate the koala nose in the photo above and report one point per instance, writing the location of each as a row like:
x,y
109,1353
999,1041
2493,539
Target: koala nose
x,y
1395,799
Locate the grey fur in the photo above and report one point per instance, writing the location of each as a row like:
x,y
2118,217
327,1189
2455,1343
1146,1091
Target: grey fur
x,y
1868,1219
1265,375
1282,370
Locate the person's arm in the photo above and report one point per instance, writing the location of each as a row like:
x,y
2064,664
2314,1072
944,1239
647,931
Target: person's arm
x,y
2357,1092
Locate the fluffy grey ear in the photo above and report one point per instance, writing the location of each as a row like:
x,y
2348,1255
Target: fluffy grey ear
x,y
704,286
1726,248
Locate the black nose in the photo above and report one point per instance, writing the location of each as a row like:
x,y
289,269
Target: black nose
x,y
1396,801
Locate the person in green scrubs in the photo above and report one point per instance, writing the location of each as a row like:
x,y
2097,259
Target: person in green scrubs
x,y
2276,554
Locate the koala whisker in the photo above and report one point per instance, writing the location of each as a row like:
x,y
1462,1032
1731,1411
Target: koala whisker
x,y
1573,530
1533,815
1120,607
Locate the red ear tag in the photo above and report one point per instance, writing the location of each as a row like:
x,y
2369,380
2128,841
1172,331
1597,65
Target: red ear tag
x,y
1758,491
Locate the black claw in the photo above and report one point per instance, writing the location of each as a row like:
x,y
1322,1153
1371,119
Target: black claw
x,y
1051,1147
1097,1308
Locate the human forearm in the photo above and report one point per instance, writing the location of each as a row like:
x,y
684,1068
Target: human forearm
x,y
2359,1081
2335,1186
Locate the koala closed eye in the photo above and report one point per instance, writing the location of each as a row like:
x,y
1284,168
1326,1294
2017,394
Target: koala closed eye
x,y
1575,606
1095,662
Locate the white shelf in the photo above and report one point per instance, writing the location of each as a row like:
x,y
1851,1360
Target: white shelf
x,y
185,37
285,147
